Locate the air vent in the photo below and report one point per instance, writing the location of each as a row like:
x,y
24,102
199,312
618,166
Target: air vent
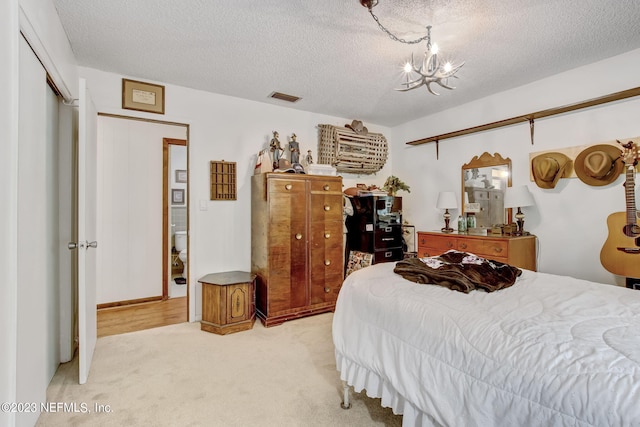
x,y
284,97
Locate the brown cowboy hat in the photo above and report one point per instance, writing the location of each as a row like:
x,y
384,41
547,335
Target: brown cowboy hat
x,y
357,127
548,168
599,164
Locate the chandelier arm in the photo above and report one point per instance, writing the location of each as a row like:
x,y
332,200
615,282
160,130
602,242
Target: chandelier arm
x,y
428,85
445,85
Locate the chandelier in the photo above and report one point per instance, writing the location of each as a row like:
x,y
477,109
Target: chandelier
x,y
423,73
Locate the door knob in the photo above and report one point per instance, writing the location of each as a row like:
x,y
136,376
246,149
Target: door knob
x,y
74,245
298,236
327,207
327,235
93,244
327,262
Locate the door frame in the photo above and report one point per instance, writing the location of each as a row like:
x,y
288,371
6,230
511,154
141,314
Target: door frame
x,y
187,127
166,142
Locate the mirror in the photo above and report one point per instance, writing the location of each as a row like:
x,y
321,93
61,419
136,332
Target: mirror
x,y
484,182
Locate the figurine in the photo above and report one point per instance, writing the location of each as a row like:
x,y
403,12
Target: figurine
x,y
309,158
276,149
294,148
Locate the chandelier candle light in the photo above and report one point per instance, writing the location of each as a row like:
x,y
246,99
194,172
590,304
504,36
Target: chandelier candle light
x,y
430,69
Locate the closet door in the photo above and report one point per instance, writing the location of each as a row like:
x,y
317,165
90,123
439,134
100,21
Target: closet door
x,y
288,233
87,223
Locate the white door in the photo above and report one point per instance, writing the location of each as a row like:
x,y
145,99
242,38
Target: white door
x,y
86,245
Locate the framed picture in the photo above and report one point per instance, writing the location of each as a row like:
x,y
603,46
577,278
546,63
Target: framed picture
x,y
142,96
409,238
181,175
177,196
358,260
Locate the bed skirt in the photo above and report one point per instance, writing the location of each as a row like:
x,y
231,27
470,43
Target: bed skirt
x,y
376,387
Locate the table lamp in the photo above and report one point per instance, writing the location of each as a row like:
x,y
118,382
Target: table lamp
x,y
446,200
517,197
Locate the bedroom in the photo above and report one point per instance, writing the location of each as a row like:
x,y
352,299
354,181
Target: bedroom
x,y
569,221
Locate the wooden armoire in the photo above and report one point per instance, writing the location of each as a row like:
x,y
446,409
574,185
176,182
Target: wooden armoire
x,y
296,244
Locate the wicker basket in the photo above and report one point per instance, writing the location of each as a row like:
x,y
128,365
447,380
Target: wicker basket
x,y
351,152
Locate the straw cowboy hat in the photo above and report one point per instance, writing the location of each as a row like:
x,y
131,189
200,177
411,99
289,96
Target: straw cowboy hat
x,y
548,168
599,164
358,127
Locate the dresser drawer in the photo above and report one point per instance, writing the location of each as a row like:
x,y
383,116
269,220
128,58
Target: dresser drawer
x,y
442,244
387,255
388,237
490,248
325,207
286,186
327,186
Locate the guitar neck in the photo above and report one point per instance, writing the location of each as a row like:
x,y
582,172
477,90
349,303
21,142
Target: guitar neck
x,y
629,192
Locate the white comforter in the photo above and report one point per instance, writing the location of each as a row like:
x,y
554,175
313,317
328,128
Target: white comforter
x,y
548,351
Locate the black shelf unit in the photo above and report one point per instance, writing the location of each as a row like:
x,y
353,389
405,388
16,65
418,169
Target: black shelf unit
x,y
376,227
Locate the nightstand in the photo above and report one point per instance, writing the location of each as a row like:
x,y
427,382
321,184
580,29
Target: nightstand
x,y
228,302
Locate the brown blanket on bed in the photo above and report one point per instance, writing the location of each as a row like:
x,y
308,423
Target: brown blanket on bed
x,y
459,271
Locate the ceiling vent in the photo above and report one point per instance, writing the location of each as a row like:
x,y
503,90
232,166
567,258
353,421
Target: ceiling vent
x,y
284,97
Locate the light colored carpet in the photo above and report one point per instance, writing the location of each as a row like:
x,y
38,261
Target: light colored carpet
x,y
180,376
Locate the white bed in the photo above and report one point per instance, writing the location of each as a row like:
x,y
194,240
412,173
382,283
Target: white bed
x,y
547,351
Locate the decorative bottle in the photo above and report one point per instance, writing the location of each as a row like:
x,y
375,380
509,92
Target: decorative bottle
x,y
471,220
462,224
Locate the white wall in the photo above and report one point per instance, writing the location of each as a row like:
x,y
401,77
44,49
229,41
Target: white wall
x,y
230,129
569,220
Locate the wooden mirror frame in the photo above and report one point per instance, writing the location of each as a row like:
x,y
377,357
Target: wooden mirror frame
x,y
486,160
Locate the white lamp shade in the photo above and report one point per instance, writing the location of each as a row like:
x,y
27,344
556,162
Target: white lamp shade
x,y
516,197
447,200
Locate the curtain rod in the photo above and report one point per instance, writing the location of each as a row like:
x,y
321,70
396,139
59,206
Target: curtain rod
x,y
617,96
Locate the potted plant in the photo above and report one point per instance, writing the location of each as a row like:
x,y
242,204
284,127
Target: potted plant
x,y
393,184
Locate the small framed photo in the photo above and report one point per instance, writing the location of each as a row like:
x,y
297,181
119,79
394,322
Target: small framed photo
x,y
142,96
181,175
177,196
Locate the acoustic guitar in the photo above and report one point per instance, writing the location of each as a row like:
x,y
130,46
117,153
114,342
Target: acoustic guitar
x,y
621,251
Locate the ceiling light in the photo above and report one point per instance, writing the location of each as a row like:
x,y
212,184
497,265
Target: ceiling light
x,y
430,69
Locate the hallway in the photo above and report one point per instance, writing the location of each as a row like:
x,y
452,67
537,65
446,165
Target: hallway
x,y
136,317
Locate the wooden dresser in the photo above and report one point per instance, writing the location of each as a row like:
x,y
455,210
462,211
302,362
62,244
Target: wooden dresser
x,y
516,251
296,244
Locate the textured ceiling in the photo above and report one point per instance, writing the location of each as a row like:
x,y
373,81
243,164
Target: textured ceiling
x,y
332,54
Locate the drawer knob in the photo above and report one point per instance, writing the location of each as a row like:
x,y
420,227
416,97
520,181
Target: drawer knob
x,y
326,187
449,244
327,207
327,262
463,245
498,250
298,236
288,187
327,235
327,290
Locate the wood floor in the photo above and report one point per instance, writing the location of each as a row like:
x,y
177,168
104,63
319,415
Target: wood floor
x,y
136,317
